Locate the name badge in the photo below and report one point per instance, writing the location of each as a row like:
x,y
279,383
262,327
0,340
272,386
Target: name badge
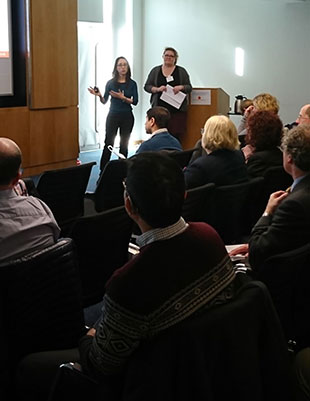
x,y
169,78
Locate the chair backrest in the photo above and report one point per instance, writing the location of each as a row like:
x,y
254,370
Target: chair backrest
x,y
229,201
249,211
233,351
102,247
181,157
275,179
287,277
41,300
198,204
63,191
109,192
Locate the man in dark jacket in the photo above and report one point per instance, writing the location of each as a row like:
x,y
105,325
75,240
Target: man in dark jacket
x,y
285,224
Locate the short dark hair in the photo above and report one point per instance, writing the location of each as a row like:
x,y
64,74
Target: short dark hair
x,y
156,187
264,130
296,143
160,114
176,54
10,161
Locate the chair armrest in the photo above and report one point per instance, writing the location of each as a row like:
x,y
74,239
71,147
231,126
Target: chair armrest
x,y
89,195
71,383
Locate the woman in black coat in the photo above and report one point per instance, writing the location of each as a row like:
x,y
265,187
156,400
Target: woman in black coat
x,y
224,163
264,133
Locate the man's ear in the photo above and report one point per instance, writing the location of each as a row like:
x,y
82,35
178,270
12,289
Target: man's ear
x,y
16,179
289,159
130,209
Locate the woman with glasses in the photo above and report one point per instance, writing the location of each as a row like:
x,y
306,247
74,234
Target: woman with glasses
x,y
169,73
124,94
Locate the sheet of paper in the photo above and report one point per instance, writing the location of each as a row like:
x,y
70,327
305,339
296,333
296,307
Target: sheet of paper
x,y
201,96
174,100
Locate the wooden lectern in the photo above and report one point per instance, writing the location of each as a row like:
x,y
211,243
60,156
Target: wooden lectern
x,y
203,103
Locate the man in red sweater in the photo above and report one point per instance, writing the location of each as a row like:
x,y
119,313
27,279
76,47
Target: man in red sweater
x,y
181,268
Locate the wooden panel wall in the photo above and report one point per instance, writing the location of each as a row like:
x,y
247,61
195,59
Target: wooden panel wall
x,y
47,130
61,145
54,62
14,124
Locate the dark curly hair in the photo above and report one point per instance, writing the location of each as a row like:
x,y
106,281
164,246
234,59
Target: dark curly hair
x,y
264,130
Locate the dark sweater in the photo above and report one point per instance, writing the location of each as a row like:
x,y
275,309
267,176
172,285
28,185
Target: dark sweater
x,y
130,90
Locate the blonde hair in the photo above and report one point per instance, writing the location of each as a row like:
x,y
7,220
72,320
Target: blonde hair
x,y
220,133
266,102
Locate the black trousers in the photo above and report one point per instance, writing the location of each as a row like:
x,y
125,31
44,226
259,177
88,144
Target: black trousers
x,y
122,121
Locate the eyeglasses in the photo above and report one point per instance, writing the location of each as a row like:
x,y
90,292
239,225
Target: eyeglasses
x,y
169,55
122,65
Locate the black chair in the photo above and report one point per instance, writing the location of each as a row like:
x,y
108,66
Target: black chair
x,y
249,211
181,157
234,351
275,179
229,202
102,247
109,192
40,303
198,203
63,191
287,277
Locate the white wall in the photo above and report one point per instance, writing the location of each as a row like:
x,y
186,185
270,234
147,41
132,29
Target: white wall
x,y
274,34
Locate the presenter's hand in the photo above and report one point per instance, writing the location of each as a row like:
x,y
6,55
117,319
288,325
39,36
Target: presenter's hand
x,y
118,95
161,89
274,201
178,89
94,91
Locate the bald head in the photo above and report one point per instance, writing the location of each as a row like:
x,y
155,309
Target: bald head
x,y
10,161
304,115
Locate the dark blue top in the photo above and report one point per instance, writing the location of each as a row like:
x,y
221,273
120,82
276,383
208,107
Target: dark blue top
x,y
160,141
130,90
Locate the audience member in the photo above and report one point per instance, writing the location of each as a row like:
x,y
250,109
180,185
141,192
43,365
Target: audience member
x,y
156,123
304,115
26,223
141,297
263,138
263,101
245,104
285,223
224,162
